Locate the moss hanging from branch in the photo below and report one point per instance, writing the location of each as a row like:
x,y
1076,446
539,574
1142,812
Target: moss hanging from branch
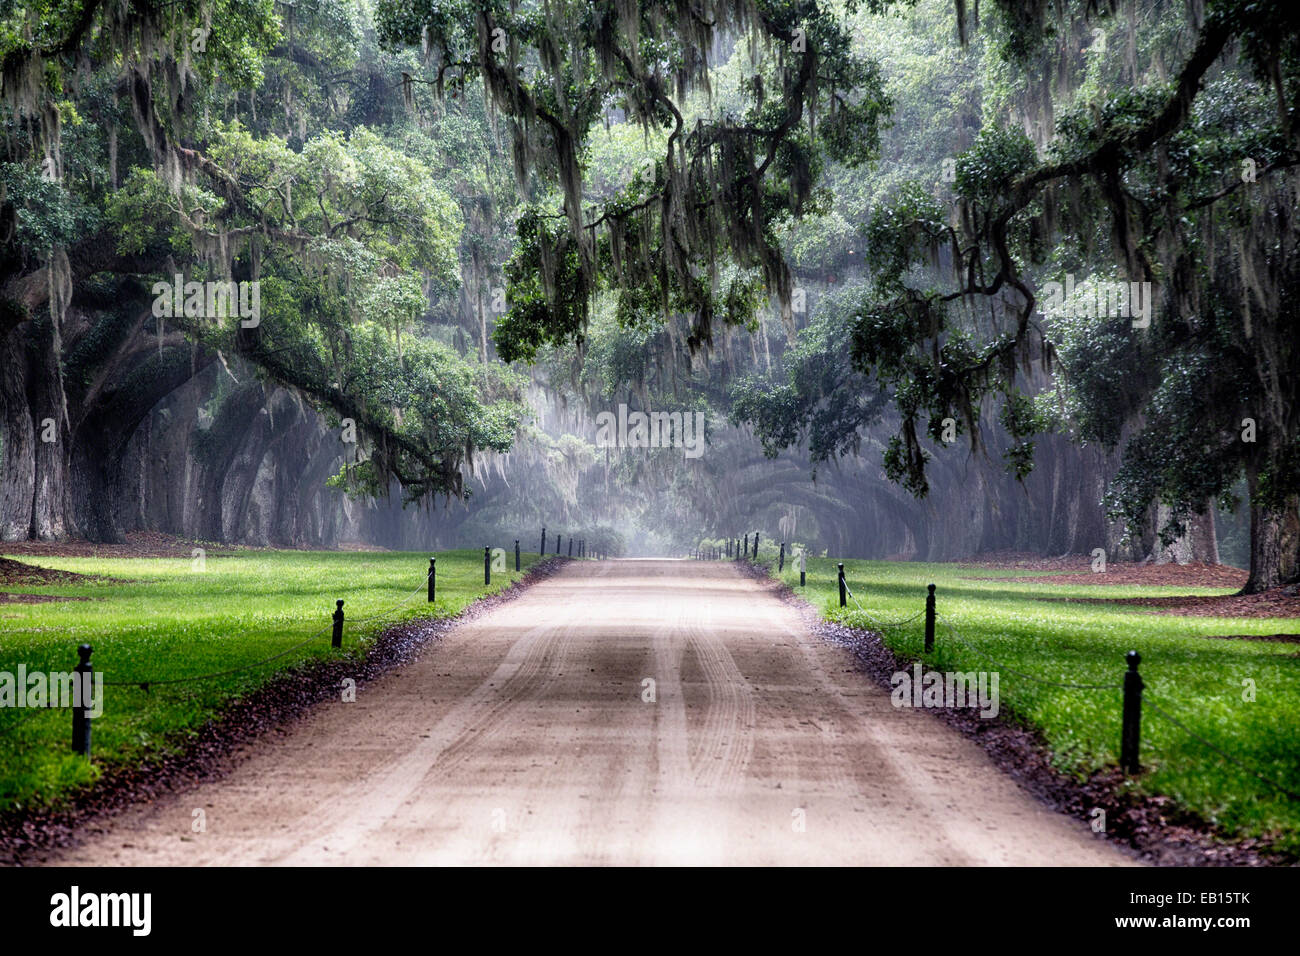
x,y
722,186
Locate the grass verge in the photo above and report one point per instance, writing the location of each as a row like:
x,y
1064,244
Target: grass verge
x,y
160,619
1032,629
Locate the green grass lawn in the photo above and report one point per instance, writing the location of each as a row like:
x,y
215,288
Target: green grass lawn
x,y
161,618
1028,629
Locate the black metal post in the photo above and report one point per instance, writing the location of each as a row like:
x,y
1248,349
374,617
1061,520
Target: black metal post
x,y
570,545
558,536
1130,734
803,569
81,715
746,554
433,577
755,545
543,541
844,588
487,565
337,640
516,554
781,561
929,619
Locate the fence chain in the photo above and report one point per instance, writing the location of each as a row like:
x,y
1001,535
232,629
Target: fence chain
x,y
874,619
146,684
1147,701
1146,696
952,631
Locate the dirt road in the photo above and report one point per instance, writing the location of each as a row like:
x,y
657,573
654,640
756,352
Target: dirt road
x,y
528,736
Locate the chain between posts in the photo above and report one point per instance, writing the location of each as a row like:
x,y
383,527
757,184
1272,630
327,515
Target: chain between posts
x,y
1222,753
146,684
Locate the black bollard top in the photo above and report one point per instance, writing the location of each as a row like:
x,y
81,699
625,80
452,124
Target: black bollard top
x,y
1134,659
83,652
930,588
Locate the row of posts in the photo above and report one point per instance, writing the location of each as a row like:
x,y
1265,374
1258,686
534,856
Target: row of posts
x,y
1131,722
1130,730
81,716
742,548
487,558
581,544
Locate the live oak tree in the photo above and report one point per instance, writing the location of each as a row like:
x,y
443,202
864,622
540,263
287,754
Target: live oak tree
x,y
73,76
1184,184
1209,395
348,171
556,73
722,185
147,140
1184,177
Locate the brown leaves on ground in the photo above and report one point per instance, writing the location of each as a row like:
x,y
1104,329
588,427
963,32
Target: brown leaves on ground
x,y
22,574
31,575
138,544
1275,603
1148,574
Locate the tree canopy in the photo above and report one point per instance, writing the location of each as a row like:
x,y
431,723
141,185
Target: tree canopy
x,y
850,233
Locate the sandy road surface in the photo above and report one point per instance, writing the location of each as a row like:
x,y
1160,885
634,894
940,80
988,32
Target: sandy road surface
x,y
523,737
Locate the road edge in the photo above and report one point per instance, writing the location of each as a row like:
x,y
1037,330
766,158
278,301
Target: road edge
x,y
1153,829
29,836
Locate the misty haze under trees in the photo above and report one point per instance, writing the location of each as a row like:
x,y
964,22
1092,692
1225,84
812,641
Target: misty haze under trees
x,y
830,227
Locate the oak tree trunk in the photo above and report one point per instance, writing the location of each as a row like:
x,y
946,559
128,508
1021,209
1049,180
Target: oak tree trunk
x,y
1274,547
17,441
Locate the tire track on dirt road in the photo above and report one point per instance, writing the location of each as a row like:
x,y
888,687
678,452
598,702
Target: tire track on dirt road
x,y
522,737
